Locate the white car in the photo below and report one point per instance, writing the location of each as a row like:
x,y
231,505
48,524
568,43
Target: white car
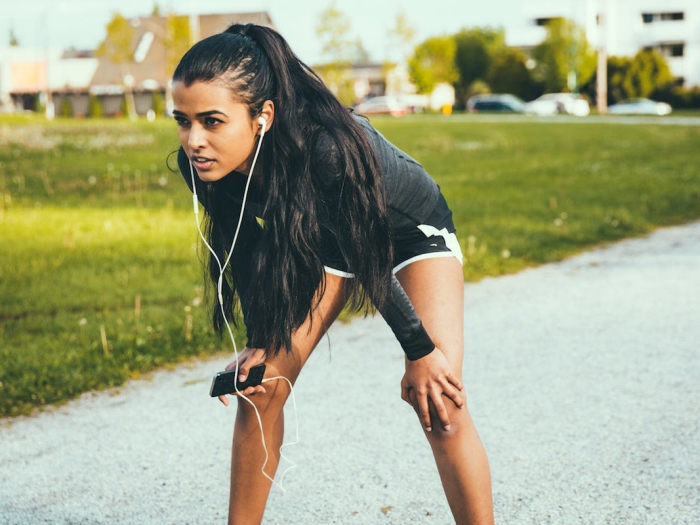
x,y
640,106
381,106
568,103
541,108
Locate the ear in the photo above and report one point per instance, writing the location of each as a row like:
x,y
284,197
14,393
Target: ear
x,y
268,113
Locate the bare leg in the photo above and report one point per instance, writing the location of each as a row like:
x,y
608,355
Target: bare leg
x,y
249,488
436,289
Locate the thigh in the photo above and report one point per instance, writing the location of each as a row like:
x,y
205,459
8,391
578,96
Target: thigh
x,y
308,335
436,289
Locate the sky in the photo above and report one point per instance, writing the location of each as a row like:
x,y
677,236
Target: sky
x,y
81,23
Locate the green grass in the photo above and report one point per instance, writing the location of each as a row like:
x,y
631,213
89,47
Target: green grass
x,y
100,277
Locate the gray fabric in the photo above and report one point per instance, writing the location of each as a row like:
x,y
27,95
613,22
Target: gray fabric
x,y
411,195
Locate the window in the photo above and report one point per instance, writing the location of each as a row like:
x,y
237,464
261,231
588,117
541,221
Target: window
x,y
675,49
143,47
545,21
648,18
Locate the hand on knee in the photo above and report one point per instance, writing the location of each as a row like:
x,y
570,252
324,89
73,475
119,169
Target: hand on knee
x,y
439,425
431,386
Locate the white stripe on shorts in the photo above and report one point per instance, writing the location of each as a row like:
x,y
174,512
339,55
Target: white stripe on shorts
x,y
339,273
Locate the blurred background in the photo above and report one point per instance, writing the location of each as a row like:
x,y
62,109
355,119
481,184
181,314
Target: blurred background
x,y
79,57
502,101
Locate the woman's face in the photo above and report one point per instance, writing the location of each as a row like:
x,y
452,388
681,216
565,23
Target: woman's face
x,y
215,131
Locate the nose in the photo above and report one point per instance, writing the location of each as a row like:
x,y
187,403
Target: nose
x,y
196,137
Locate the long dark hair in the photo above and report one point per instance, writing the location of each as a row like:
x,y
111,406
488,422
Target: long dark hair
x,y
257,64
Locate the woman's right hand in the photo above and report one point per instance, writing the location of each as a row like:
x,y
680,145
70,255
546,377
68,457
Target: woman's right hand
x,y
247,359
427,380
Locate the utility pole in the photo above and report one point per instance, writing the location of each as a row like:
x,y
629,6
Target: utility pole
x,y
49,110
602,71
194,23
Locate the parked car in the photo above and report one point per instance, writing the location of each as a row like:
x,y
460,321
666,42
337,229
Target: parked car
x,y
381,106
542,108
495,103
568,103
640,106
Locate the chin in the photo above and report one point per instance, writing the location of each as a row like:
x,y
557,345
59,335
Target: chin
x,y
211,176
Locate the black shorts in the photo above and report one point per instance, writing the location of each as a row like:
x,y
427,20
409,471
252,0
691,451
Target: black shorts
x,y
434,238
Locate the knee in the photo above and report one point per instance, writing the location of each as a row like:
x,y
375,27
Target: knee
x,y
460,422
266,404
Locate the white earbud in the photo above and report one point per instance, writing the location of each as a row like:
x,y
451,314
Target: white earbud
x,y
263,122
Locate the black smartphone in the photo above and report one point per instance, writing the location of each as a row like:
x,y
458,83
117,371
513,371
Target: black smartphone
x,y
223,381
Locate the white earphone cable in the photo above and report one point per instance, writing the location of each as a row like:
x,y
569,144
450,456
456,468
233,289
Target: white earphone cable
x,y
222,269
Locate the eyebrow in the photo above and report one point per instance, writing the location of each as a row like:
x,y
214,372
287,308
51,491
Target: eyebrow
x,y
202,114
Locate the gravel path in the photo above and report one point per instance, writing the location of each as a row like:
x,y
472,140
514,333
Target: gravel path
x,y
582,378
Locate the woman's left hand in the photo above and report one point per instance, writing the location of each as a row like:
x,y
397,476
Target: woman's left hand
x,y
246,360
427,380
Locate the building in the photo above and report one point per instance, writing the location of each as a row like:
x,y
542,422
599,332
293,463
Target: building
x,y
27,75
32,78
623,27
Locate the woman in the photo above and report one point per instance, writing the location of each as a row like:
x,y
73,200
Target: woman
x,y
332,213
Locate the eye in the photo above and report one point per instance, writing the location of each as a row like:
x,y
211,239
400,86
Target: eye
x,y
211,121
181,121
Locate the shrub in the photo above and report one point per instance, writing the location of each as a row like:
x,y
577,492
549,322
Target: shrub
x,y
158,104
678,96
65,108
95,107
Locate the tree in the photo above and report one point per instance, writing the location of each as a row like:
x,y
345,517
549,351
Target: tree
x,y
476,50
433,62
14,42
647,72
639,76
564,60
177,40
118,47
401,37
333,29
338,50
617,71
509,74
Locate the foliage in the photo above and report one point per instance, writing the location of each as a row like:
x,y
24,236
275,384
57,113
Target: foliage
x,y
40,104
433,62
644,74
474,55
678,96
158,104
338,50
118,47
509,74
102,281
178,39
95,107
617,68
14,41
565,50
118,44
339,81
65,108
478,87
647,71
333,30
401,37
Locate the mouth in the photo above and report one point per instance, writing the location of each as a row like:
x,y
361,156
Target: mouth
x,y
202,163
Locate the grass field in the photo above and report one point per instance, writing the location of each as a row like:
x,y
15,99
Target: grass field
x,y
100,278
